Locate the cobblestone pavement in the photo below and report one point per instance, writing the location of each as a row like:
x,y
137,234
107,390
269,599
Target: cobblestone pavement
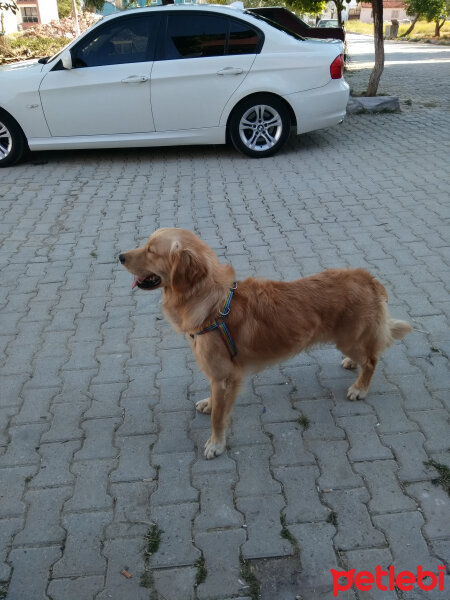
x,y
101,465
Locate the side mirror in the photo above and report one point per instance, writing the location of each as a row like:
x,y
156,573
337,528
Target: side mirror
x,y
66,59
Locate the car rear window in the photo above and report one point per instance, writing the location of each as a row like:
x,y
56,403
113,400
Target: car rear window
x,y
275,24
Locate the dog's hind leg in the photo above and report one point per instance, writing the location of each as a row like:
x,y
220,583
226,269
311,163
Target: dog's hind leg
x,y
223,395
358,391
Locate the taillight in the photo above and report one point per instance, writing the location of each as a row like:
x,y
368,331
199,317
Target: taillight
x,y
337,67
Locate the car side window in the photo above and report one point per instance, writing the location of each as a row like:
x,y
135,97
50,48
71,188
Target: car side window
x,y
119,42
195,36
242,38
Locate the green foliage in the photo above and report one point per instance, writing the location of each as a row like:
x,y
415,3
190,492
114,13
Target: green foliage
x,y
94,5
430,10
65,7
9,5
313,7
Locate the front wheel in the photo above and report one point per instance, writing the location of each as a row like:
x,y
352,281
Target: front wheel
x,y
260,126
13,144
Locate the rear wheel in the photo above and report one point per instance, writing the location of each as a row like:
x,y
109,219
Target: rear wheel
x,y
13,144
260,125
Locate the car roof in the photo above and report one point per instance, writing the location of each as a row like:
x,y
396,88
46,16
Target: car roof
x,y
229,9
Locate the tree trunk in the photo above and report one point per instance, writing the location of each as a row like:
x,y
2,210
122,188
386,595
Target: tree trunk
x,y
377,6
411,27
437,30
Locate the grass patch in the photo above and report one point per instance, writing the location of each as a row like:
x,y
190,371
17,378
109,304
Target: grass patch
x,y
303,421
444,475
152,541
201,570
253,585
3,592
422,30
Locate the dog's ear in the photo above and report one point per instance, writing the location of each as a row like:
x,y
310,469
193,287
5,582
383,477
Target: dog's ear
x,y
187,268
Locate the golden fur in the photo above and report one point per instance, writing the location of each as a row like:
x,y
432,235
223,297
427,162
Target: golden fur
x,y
269,320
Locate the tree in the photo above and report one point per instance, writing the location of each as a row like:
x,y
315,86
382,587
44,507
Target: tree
x,y
375,76
9,5
94,5
430,10
65,7
340,6
313,7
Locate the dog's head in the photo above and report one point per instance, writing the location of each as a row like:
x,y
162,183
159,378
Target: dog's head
x,y
172,258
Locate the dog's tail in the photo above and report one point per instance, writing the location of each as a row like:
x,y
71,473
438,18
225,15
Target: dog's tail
x,y
398,328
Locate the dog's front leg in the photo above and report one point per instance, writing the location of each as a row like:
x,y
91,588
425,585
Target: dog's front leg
x,y
223,395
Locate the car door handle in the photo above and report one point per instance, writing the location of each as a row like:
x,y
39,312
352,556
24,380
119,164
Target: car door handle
x,y
230,71
135,79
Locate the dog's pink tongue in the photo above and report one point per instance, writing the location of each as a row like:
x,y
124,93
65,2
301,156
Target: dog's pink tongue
x,y
135,282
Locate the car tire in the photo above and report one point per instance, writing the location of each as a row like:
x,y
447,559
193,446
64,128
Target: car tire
x,y
13,144
260,125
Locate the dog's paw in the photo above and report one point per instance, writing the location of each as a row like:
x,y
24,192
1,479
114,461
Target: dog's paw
x,y
348,363
213,449
355,393
204,406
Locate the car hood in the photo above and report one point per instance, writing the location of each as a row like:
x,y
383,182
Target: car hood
x,y
32,64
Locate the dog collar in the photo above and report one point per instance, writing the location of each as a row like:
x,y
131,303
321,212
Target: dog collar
x,y
220,325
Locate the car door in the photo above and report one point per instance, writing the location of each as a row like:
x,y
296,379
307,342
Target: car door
x,y
108,89
204,58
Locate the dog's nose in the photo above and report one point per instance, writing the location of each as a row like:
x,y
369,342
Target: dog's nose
x,y
122,258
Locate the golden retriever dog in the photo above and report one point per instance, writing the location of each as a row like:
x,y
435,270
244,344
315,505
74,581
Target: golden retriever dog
x,y
260,322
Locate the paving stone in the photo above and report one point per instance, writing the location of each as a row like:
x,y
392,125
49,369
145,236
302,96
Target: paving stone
x,y
409,453
129,555
65,424
42,524
74,588
14,480
436,509
368,560
364,441
8,528
262,516
173,432
354,527
317,557
406,542
31,570
336,472
91,485
321,425
176,583
173,479
84,530
134,458
436,427
385,491
131,509
224,568
216,500
254,474
246,426
176,548
24,440
105,401
288,444
302,497
391,414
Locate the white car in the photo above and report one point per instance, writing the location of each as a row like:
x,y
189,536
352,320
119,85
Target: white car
x,y
173,75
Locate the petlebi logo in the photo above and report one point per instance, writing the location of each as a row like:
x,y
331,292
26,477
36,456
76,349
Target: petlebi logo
x,y
388,580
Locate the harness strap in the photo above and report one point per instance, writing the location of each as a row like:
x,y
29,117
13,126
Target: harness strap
x,y
220,324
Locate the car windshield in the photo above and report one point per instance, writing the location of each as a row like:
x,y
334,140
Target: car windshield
x,y
275,25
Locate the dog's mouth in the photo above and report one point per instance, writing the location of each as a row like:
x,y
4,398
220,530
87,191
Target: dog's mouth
x,y
147,283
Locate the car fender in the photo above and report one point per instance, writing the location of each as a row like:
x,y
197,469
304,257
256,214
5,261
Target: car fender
x,y
20,98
